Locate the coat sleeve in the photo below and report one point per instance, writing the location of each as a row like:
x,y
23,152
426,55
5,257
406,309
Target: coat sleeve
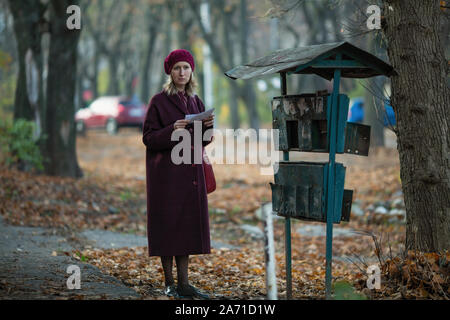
x,y
155,136
204,128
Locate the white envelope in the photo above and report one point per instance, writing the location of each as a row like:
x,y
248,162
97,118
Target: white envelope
x,y
199,116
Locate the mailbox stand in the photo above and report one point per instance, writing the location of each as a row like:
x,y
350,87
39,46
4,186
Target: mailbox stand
x,y
331,172
287,225
315,123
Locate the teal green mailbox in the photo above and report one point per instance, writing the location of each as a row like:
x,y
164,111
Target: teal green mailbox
x,y
314,191
303,124
300,190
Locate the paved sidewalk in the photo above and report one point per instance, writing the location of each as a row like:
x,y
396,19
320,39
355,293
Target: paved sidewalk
x,y
29,268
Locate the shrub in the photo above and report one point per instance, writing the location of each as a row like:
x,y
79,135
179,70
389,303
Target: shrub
x,y
18,146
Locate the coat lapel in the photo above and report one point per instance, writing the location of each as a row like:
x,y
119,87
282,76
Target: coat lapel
x,y
193,106
175,99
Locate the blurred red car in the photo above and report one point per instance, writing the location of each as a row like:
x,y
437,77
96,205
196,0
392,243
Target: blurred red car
x,y
111,113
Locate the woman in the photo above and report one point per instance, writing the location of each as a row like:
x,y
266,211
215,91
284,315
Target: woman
x,y
177,205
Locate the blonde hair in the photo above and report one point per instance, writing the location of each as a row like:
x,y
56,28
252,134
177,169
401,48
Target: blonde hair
x,y
170,88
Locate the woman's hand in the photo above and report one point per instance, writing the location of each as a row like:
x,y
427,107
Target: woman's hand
x,y
209,122
180,124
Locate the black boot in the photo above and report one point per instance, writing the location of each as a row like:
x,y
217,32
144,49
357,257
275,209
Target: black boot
x,y
190,292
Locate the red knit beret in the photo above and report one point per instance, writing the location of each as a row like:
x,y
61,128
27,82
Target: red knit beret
x,y
177,56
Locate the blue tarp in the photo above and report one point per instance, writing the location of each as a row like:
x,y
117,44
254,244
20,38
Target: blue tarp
x,y
356,113
389,115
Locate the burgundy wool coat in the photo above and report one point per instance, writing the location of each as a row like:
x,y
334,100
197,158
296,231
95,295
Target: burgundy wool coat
x,y
177,204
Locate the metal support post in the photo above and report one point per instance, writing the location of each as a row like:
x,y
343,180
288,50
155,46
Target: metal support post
x,y
331,178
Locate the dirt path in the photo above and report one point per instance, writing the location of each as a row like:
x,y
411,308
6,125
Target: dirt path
x,y
33,266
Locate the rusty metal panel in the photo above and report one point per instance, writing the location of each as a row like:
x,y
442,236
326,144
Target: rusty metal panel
x,y
347,205
288,205
302,121
299,197
279,123
357,139
302,201
299,191
315,204
276,196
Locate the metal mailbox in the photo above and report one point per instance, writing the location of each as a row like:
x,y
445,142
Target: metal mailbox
x,y
315,123
300,191
357,139
303,124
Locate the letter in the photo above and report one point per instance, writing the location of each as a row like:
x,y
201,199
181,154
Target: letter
x,y
251,309
217,151
198,155
373,281
230,309
269,309
74,21
184,145
229,146
178,310
205,311
274,156
374,20
252,145
75,277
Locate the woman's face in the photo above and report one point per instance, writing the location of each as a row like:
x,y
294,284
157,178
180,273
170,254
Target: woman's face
x,y
181,73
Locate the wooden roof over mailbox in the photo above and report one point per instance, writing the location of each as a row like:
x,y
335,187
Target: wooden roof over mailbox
x,y
316,59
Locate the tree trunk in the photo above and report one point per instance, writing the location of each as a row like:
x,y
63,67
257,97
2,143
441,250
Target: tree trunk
x,y
234,91
167,46
28,15
218,56
145,86
94,82
60,148
114,85
420,98
248,90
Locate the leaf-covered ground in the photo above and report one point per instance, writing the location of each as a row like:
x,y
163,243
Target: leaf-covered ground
x,y
112,196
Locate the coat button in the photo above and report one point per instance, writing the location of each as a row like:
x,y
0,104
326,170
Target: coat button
x,y
194,183
190,130
192,147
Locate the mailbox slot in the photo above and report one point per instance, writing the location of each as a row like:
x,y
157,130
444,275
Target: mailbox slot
x,y
302,121
299,192
292,133
347,205
319,135
357,139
